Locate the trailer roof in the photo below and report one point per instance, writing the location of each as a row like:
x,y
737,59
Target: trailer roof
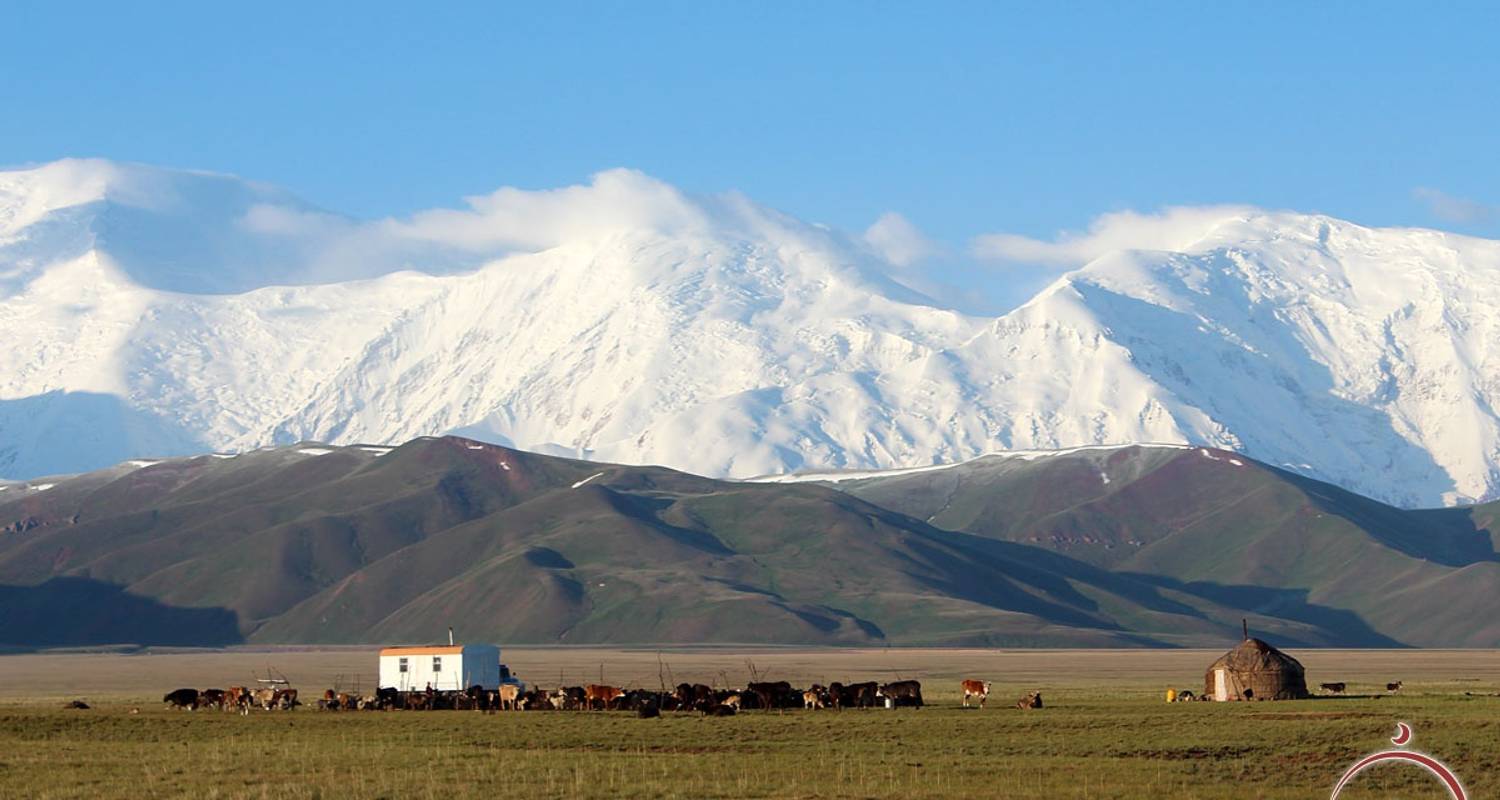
x,y
424,650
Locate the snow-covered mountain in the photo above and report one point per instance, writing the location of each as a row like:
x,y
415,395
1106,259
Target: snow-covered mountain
x,y
156,312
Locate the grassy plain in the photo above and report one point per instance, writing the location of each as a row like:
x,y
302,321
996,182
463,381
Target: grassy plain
x,y
1105,733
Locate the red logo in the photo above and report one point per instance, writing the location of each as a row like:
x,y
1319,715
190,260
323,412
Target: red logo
x,y
1432,765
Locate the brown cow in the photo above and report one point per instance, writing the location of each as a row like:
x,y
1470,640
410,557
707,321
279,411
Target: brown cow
x,y
509,692
979,689
811,700
604,694
237,698
1030,701
264,698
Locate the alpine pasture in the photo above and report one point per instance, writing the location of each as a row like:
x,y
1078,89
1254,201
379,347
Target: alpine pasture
x,y
1106,730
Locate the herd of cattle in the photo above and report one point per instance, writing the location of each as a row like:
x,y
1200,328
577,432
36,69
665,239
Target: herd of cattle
x,y
764,695
235,698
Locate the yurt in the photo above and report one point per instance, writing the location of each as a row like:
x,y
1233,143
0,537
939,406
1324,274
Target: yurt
x,y
1254,670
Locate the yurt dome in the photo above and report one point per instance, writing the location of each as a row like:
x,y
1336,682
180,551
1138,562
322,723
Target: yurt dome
x,y
1254,670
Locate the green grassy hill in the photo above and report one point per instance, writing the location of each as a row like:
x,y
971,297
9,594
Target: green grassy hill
x,y
1125,547
319,544
1213,525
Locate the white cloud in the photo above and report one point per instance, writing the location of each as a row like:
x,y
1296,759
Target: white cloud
x,y
1176,228
1449,208
290,221
898,241
513,218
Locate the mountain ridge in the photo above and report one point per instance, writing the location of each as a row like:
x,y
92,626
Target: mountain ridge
x,y
626,321
1098,547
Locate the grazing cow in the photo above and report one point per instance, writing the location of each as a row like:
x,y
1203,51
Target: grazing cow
x,y
509,692
634,699
212,698
1030,701
334,701
237,698
1336,688
902,693
772,694
979,689
263,698
693,695
574,698
854,695
182,698
1185,696
603,695
1393,687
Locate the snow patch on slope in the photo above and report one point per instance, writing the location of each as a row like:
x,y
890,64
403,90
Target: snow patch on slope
x,y
586,480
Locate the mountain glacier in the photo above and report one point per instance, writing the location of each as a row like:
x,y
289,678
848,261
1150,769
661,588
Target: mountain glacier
x,y
153,312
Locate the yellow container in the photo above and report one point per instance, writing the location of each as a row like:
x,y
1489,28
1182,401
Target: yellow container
x,y
1171,695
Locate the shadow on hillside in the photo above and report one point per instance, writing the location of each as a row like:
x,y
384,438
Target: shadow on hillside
x,y
1342,627
72,611
1447,536
1015,577
1053,575
1052,571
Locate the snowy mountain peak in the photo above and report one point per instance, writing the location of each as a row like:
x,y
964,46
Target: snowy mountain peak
x,y
156,312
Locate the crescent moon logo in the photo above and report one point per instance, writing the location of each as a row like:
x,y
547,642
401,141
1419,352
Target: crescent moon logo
x,y
1432,765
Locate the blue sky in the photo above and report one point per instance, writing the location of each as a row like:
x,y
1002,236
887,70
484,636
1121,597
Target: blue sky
x,y
965,118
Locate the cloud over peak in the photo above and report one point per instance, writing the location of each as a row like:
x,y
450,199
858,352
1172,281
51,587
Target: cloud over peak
x,y
1450,208
1174,228
511,218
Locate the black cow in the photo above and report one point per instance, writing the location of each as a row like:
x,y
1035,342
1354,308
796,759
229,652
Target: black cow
x,y
903,693
212,698
720,711
854,695
694,695
773,694
574,698
474,698
182,698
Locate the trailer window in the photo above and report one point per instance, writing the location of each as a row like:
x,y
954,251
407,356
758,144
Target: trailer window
x,y
402,665
437,664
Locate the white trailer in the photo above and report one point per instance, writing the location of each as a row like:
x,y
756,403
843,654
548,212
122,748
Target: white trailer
x,y
443,667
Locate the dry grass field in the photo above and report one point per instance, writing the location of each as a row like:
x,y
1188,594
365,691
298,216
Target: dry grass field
x,y
1105,733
